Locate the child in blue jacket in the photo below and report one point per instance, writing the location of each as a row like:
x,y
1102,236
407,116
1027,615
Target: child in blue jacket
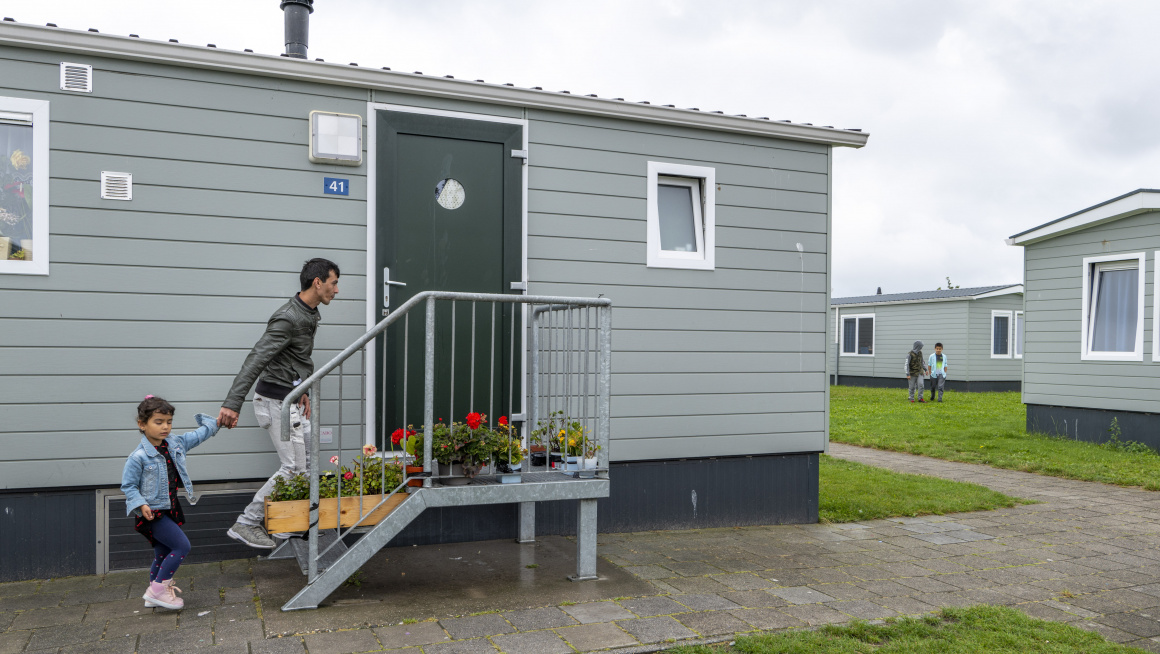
x,y
938,371
149,483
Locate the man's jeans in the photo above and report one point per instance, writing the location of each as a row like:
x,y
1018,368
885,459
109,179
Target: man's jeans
x,y
937,382
291,454
915,381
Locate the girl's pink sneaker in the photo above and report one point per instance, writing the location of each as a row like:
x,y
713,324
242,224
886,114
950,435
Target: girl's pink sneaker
x,y
161,594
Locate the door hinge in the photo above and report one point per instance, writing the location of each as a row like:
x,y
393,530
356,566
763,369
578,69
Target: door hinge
x,y
520,286
520,154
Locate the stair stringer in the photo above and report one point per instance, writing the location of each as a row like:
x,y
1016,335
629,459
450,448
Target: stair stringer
x,y
359,553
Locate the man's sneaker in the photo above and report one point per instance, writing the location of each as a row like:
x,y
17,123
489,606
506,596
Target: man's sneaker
x,y
250,535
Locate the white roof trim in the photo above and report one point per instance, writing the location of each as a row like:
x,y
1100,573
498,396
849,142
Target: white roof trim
x,y
123,47
1010,290
1136,202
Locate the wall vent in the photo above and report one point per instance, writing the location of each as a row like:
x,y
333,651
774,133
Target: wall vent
x,y
76,77
116,186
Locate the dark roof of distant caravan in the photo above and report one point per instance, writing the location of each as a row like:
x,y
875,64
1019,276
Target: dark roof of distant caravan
x,y
919,296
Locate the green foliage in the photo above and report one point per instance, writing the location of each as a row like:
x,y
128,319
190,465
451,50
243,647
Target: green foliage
x,y
355,579
850,491
1114,442
368,475
991,629
473,448
984,428
565,435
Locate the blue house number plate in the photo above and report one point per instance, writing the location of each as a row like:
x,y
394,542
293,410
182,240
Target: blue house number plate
x,y
335,186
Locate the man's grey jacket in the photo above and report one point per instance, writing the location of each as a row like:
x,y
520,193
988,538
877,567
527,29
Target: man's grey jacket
x,y
282,356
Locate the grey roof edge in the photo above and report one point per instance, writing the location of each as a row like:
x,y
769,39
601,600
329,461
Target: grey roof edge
x,y
1014,238
972,293
124,47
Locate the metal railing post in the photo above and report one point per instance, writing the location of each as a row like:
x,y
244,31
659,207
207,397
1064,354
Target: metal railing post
x,y
315,400
429,392
534,404
604,385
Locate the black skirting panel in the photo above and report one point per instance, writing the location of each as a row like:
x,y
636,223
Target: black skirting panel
x,y
1092,425
950,385
47,534
205,525
648,495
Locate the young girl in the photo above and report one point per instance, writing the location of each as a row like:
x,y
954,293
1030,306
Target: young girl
x,y
149,482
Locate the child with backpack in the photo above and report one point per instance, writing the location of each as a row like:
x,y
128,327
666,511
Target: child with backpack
x,y
915,369
149,483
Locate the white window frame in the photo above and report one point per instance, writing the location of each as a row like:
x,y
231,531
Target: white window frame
x,y
700,179
1010,316
1086,279
40,124
856,317
1015,344
1156,306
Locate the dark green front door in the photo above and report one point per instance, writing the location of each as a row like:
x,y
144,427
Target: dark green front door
x,y
449,219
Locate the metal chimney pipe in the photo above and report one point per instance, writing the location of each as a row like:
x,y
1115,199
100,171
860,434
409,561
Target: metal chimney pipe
x,y
297,13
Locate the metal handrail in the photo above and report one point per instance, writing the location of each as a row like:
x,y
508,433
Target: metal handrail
x,y
430,298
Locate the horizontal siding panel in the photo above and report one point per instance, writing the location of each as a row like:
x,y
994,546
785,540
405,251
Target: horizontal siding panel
x,y
194,390
664,383
135,306
199,202
719,362
572,249
782,271
710,320
549,156
636,141
677,341
719,444
130,361
666,297
676,426
107,472
225,175
717,404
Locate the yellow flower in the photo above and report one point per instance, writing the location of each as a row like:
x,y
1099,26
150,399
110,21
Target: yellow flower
x,y
20,160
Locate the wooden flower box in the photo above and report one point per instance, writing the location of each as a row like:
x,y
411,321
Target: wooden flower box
x,y
294,515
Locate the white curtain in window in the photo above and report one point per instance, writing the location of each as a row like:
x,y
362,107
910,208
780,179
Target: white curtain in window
x,y
1116,311
1019,334
849,335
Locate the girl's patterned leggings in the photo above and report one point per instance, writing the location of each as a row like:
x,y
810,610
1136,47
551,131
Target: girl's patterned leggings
x,y
171,548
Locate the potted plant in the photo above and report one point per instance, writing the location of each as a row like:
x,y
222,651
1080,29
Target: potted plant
x,y
461,449
508,452
364,485
572,446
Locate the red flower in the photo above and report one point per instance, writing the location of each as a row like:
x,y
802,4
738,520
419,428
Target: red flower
x,y
474,420
348,476
397,436
503,420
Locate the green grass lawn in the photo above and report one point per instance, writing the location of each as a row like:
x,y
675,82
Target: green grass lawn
x,y
971,630
986,428
849,492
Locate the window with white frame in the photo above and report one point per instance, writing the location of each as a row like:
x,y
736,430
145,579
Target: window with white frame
x,y
1017,341
1001,334
681,217
23,186
858,335
1112,327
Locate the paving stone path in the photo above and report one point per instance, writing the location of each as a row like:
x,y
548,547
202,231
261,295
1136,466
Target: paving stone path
x,y
1089,554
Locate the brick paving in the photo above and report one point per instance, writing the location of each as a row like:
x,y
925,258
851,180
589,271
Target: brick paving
x,y
1088,554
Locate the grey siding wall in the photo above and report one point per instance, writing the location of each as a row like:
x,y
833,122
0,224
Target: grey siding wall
x,y
982,366
706,363
1054,373
165,294
897,327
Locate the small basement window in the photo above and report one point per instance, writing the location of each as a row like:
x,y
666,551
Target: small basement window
x,y
858,335
1019,329
1001,334
1113,308
23,186
681,219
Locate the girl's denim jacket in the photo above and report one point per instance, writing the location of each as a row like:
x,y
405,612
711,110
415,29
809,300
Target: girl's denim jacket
x,y
146,479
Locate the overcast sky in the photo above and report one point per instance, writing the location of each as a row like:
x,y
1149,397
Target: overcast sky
x,y
986,117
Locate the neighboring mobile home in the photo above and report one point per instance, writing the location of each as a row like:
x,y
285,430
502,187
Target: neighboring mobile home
x,y
188,184
981,330
1093,352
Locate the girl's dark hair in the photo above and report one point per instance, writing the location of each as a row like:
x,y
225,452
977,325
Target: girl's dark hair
x,y
151,405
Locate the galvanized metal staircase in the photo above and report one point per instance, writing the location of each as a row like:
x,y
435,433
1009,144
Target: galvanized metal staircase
x,y
570,370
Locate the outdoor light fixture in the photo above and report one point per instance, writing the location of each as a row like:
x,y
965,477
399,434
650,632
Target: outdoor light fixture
x,y
335,138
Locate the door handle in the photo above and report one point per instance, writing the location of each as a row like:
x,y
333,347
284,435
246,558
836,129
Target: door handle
x,y
387,284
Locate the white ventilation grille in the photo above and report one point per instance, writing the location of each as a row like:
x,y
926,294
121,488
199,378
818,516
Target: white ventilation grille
x,y
116,186
76,77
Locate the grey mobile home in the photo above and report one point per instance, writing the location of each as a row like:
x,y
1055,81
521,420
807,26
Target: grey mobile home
x,y
981,330
175,190
1092,343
